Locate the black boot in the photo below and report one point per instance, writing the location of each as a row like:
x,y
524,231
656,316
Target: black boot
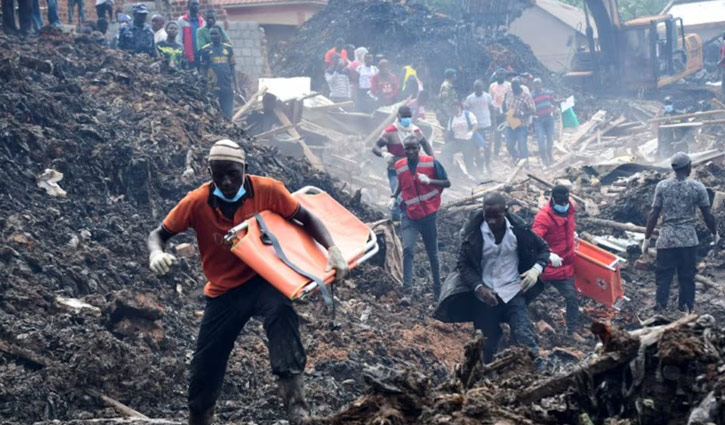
x,y
205,418
293,396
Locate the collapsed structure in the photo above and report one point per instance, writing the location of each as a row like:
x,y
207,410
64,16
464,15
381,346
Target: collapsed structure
x,y
87,332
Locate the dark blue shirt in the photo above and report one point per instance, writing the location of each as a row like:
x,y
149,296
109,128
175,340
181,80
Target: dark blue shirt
x,y
136,39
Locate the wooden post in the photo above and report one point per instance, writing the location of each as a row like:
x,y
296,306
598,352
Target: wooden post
x,y
292,131
250,103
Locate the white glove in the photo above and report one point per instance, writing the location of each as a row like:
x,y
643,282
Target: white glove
x,y
423,178
556,261
160,262
389,158
391,204
645,246
336,261
529,278
716,238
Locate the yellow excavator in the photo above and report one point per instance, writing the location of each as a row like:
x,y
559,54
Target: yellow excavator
x,y
638,55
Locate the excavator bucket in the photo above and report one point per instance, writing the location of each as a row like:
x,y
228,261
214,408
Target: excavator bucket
x,y
597,274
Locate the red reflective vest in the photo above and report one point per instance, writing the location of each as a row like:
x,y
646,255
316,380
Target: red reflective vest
x,y
421,200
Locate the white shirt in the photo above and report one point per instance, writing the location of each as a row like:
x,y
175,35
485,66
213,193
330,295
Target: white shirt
x,y
480,106
500,263
366,75
459,126
160,36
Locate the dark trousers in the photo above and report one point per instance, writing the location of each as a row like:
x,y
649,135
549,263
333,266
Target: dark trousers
x,y
393,182
427,228
517,142
104,8
81,11
226,102
516,313
25,16
544,130
682,260
223,320
567,290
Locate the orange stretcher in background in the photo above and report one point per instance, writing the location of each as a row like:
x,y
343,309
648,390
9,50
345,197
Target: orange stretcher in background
x,y
597,274
287,257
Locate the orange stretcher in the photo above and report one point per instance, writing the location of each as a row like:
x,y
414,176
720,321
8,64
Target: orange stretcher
x,y
287,257
597,274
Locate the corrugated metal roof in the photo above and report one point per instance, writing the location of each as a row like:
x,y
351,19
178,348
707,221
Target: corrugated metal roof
x,y
699,13
570,15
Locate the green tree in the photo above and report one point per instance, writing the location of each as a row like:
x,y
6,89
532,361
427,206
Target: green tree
x,y
630,9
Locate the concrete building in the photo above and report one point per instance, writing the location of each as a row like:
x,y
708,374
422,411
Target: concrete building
x,y
705,18
554,31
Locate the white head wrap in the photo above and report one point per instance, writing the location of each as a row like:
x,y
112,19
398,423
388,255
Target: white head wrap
x,y
226,150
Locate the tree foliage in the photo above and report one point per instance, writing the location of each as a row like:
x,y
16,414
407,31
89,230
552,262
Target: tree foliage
x,y
630,9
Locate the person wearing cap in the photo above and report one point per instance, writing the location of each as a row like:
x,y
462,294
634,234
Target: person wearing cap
x,y
447,96
157,26
499,263
677,200
384,85
234,292
203,34
138,37
170,51
498,90
555,224
189,24
391,139
217,63
421,180
670,140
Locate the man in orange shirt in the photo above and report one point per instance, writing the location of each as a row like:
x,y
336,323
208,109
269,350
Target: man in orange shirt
x,y
235,292
340,50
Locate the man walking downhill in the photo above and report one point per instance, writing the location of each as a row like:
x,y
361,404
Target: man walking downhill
x,y
555,224
500,259
392,140
421,180
518,107
461,136
189,23
235,292
677,199
219,58
544,121
481,104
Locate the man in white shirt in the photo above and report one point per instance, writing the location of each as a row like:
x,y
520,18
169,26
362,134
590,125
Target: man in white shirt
x,y
157,24
461,137
500,260
480,104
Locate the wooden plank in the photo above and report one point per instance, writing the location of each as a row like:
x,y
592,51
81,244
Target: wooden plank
x,y
584,129
694,124
250,103
311,157
331,106
690,115
273,131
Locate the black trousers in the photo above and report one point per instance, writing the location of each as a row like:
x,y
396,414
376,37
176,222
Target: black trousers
x,y
683,261
223,320
567,290
516,313
25,10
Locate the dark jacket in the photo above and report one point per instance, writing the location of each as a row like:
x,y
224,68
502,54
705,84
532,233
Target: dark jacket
x,y
456,302
137,39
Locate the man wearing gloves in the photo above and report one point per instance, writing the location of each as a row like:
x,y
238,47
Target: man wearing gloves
x,y
235,292
392,140
677,199
555,224
421,180
499,261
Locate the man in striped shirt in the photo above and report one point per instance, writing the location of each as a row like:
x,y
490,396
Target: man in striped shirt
x,y
544,121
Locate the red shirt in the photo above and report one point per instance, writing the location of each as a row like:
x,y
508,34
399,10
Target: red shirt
x,y
199,210
328,56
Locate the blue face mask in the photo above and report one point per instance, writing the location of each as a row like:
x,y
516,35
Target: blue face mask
x,y
218,193
561,209
669,108
406,122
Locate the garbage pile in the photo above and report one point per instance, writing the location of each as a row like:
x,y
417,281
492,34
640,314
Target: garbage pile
x,y
86,330
404,35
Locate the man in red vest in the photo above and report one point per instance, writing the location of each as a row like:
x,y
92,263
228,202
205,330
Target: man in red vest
x,y
421,179
555,224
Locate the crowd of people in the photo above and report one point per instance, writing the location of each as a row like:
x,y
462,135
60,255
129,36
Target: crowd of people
x,y
191,43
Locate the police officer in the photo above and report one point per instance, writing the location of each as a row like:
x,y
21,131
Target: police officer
x,y
138,37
